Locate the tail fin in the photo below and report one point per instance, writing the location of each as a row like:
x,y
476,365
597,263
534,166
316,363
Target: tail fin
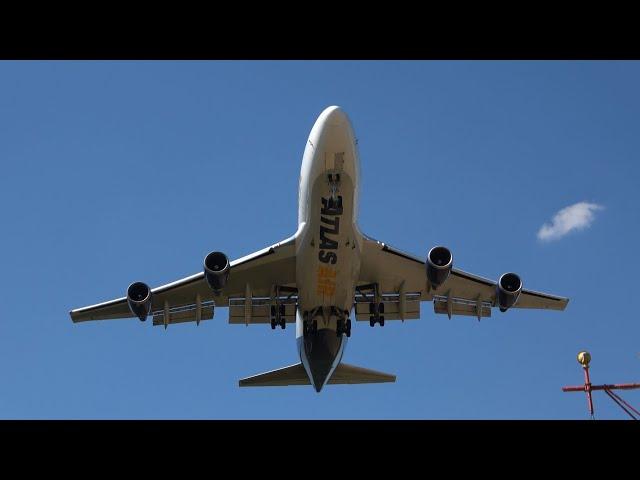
x,y
296,375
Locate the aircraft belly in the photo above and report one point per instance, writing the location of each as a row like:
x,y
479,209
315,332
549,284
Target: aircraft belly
x,y
328,254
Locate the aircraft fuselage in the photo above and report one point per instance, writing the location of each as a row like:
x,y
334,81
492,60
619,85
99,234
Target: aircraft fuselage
x,y
328,242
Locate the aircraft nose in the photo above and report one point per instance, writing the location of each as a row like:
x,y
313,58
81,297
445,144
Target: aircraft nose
x,y
335,116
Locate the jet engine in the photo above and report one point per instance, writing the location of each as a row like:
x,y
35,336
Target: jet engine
x,y
139,300
508,290
216,270
439,263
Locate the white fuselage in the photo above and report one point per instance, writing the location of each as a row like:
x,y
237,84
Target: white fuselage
x,y
328,241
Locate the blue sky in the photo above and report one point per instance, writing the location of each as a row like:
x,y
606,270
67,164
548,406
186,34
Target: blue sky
x,y
121,171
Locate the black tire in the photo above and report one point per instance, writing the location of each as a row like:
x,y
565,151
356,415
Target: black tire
x,y
273,323
372,322
382,321
283,324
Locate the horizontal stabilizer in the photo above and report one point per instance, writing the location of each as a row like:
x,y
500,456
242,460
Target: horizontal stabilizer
x,y
346,373
296,375
291,375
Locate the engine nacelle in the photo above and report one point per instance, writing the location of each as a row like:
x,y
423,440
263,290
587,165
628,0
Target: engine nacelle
x,y
508,290
439,263
139,300
216,270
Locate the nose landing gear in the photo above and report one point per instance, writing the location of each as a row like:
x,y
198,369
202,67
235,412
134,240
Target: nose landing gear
x,y
334,185
343,327
309,327
343,323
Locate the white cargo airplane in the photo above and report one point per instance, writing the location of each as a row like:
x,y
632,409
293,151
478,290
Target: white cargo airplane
x,y
321,274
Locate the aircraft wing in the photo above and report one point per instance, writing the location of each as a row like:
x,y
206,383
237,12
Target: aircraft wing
x,y
399,274
256,274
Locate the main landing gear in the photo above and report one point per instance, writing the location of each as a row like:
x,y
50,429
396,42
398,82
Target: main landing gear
x,y
377,314
370,293
278,308
278,316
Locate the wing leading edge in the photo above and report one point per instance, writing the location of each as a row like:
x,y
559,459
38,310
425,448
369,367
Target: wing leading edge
x,y
259,272
462,293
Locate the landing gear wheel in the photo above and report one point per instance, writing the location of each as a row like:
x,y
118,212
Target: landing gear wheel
x,y
348,327
283,323
381,321
273,323
341,328
372,322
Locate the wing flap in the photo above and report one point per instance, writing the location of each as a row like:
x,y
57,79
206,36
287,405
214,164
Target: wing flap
x,y
392,310
184,314
260,312
459,306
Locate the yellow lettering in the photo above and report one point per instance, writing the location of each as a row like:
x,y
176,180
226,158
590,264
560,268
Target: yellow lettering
x,y
326,281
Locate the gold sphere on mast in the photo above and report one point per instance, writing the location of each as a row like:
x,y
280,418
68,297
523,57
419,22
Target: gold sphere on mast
x,y
584,358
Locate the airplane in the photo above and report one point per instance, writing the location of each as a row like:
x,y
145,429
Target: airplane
x,y
321,276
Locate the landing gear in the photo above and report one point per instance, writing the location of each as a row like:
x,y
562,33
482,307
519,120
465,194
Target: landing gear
x,y
377,314
343,327
310,328
370,294
334,185
278,316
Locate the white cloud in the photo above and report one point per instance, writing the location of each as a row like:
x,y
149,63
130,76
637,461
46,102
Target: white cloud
x,y
574,217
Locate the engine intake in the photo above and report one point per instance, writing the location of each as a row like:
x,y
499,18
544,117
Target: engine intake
x,y
216,270
139,300
439,263
508,290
